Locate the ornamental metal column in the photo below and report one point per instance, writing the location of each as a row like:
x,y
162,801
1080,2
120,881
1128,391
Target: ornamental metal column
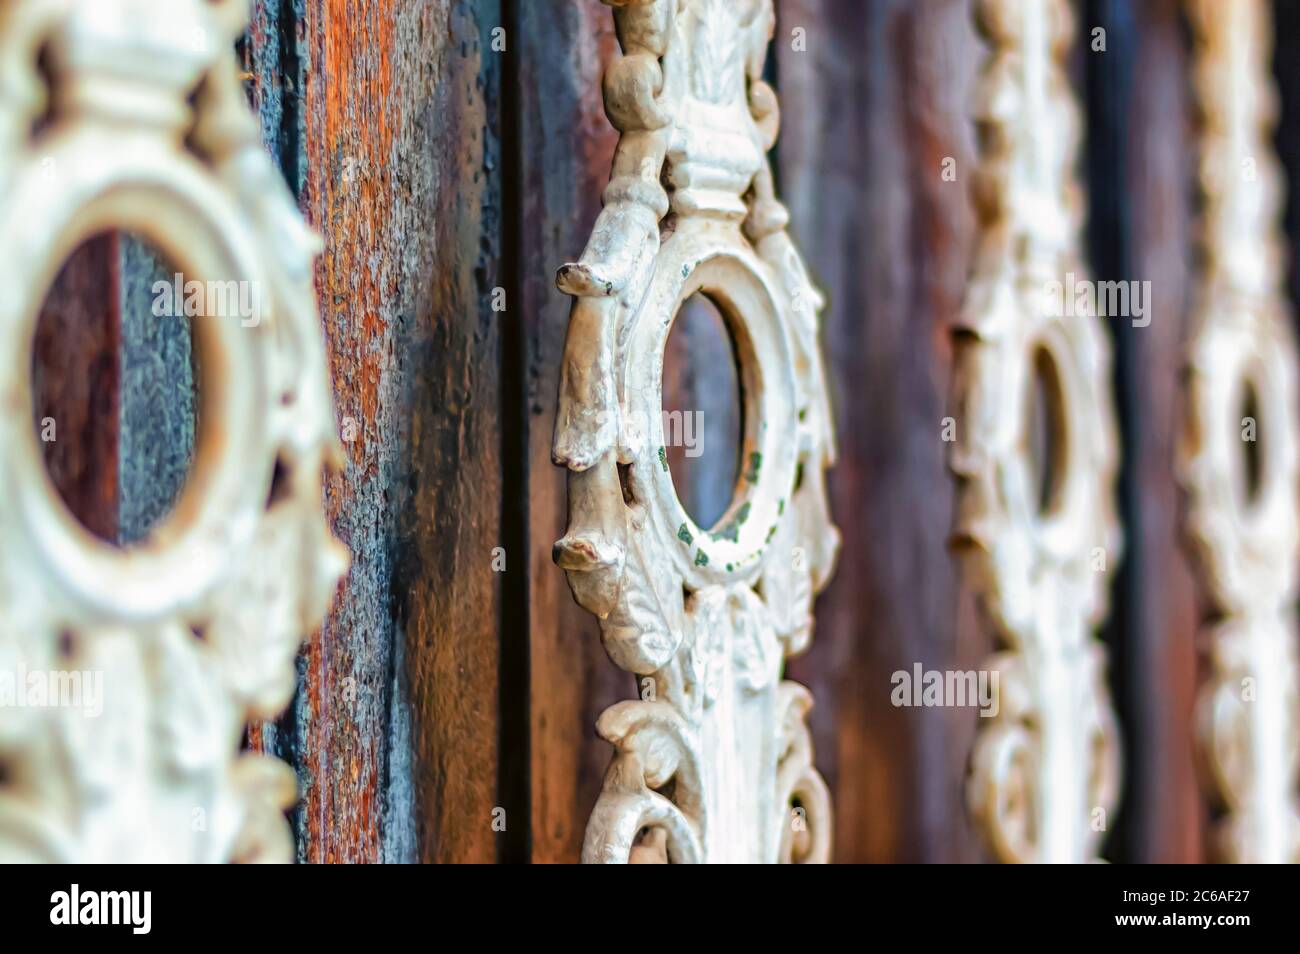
x,y
1037,531
714,762
192,632
1239,459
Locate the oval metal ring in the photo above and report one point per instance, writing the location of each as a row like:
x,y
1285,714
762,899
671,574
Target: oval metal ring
x,y
219,509
720,266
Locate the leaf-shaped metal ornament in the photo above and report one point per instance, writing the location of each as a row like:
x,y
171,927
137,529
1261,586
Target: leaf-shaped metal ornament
x,y
1241,395
1045,769
709,614
192,632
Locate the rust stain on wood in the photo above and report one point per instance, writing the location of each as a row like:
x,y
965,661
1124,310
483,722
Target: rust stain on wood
x,y
397,723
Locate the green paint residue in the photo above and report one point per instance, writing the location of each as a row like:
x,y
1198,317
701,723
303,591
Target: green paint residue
x,y
701,558
755,464
684,534
731,529
803,413
686,270
770,534
729,568
780,507
663,459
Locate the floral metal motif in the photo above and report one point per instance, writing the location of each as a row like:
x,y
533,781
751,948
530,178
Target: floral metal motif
x,y
1241,396
1044,772
194,630
714,762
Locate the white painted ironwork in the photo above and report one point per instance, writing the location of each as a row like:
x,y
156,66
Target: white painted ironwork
x,y
1241,396
714,761
193,632
1045,770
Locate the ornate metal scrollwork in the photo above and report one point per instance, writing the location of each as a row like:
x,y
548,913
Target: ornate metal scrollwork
x,y
714,762
194,631
1044,772
1241,393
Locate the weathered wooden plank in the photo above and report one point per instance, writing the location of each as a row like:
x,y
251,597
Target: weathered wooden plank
x,y
156,421
272,60
75,383
565,148
396,722
874,96
1141,164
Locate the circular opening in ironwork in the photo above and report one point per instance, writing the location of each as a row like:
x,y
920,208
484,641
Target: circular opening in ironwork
x,y
1251,463
115,384
703,416
1047,432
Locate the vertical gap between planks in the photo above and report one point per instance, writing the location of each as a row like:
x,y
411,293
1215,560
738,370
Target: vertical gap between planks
x,y
1106,102
513,761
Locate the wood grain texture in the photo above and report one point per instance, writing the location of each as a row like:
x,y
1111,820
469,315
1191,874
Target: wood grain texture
x,y
565,148
870,110
158,407
396,724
